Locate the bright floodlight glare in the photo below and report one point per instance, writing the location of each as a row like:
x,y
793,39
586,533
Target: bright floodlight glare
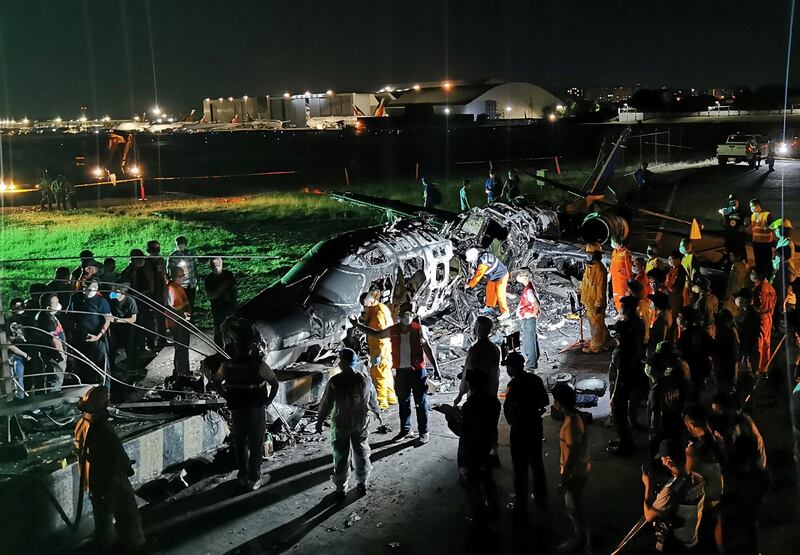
x,y
57,120
447,111
329,92
286,95
416,87
245,97
783,149
3,187
447,85
208,99
508,108
98,171
106,118
155,111
25,121
307,94
136,170
552,117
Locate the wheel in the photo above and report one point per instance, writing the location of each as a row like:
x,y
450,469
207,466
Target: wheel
x,y
722,160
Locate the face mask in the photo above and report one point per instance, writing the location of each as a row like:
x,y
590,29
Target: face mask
x,y
682,249
91,293
181,247
739,302
651,254
406,320
57,308
695,289
113,295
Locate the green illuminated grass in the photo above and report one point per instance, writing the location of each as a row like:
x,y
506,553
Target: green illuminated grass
x,y
279,225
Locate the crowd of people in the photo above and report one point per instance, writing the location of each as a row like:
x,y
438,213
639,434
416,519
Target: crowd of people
x,y
83,319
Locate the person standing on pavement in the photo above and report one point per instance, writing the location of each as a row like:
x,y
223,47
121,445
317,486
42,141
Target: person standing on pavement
x,y
157,275
409,349
349,397
124,335
784,270
621,270
480,417
593,297
378,317
574,467
706,304
528,313
662,326
734,222
106,469
763,237
748,324
653,261
463,195
249,386
630,382
489,266
727,351
176,319
526,402
483,357
690,268
772,150
186,259
764,298
18,355
680,501
54,358
675,282
90,320
220,287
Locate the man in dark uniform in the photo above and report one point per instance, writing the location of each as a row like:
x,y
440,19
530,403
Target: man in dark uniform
x,y
123,332
526,401
46,189
105,470
91,317
221,291
734,220
629,331
249,386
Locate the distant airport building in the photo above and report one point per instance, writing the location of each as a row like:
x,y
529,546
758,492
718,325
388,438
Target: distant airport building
x,y
489,100
296,110
610,94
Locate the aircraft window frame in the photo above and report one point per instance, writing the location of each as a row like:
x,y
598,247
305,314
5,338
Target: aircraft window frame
x,y
354,281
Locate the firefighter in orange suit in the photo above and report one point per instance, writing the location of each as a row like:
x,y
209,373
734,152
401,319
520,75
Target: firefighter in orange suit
x,y
378,317
496,273
593,297
764,298
621,271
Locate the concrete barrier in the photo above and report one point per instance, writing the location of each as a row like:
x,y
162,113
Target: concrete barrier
x,y
31,518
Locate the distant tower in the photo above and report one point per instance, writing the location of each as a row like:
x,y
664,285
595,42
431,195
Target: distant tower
x,y
84,110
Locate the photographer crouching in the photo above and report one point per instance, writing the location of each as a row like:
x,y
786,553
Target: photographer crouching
x,y
677,508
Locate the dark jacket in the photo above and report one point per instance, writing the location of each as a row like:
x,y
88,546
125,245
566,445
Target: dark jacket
x,y
478,430
526,400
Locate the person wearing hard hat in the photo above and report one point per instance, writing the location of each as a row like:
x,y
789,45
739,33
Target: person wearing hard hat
x,y
734,220
593,297
763,237
105,470
764,298
377,316
621,270
496,273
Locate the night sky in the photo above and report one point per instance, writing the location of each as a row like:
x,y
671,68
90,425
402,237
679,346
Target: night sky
x,y
58,54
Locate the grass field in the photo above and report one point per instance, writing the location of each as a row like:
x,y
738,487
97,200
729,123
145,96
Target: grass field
x,y
274,228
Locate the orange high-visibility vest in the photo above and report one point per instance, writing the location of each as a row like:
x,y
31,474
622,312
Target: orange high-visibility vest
x,y
760,226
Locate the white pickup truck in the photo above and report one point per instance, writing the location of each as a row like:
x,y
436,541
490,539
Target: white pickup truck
x,y
742,147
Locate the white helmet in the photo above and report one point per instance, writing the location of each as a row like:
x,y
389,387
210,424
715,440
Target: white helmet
x,y
472,255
